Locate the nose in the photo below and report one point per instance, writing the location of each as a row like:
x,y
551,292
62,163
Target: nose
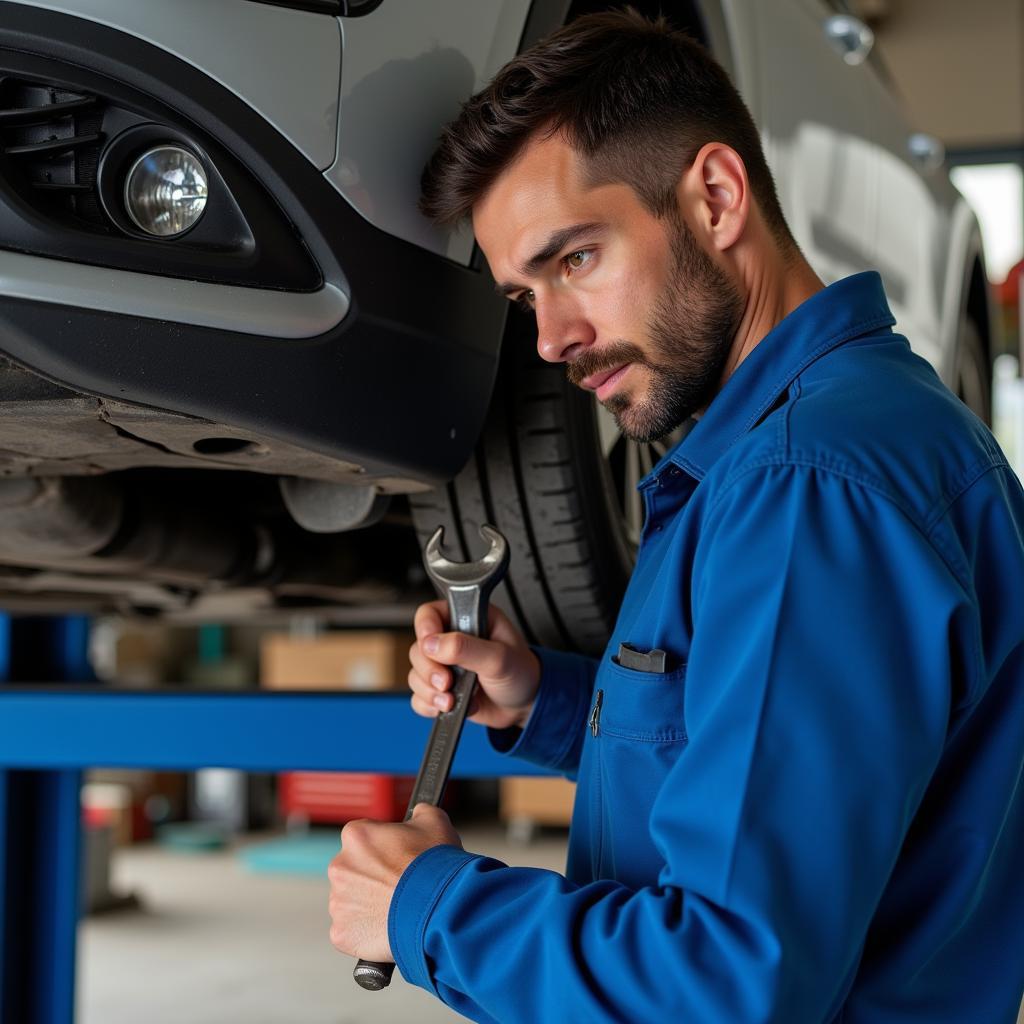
x,y
561,326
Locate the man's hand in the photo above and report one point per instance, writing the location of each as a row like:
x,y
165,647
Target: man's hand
x,y
508,672
364,875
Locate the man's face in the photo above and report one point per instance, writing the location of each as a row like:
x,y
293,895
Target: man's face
x,y
637,310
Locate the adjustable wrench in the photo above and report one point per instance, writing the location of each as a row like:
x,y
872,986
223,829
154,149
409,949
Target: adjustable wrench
x,y
467,587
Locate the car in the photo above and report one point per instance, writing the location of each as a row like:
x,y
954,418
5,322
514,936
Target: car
x,y
257,397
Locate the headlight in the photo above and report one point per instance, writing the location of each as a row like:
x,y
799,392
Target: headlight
x,y
165,191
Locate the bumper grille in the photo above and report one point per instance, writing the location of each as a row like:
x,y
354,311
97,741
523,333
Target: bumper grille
x,y
51,139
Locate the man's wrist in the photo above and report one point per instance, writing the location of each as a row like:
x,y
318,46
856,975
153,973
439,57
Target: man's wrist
x,y
420,887
524,715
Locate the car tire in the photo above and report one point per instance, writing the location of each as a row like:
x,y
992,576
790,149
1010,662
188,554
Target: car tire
x,y
557,481
972,371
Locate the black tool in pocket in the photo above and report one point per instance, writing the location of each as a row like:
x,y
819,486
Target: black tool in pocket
x,y
640,661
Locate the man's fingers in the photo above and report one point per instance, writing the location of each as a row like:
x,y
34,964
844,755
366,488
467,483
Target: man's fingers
x,y
430,618
433,822
436,675
430,684
502,629
428,813
426,700
486,658
424,708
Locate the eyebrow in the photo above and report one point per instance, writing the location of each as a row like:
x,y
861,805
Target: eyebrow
x,y
555,243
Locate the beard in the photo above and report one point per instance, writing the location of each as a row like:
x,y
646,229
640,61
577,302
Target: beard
x,y
691,330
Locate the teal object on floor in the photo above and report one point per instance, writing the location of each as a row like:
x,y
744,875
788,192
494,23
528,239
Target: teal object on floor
x,y
192,836
307,854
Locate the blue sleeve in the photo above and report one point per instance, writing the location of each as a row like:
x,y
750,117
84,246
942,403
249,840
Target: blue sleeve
x,y
553,734
817,702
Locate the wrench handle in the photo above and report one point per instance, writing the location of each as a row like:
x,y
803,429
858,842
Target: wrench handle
x,y
444,740
373,976
468,610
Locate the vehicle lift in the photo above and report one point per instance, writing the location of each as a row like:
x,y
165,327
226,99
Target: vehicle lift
x,y
50,732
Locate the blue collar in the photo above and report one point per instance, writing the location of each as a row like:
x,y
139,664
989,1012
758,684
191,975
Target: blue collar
x,y
837,314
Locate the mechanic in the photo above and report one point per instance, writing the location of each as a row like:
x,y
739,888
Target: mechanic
x,y
810,808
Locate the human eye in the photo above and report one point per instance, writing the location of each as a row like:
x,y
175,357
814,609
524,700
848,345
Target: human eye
x,y
578,259
525,301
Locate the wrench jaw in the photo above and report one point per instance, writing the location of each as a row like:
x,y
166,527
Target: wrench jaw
x,y
485,573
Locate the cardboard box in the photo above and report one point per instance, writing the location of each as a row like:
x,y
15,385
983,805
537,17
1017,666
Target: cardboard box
x,y
544,801
110,804
363,660
130,800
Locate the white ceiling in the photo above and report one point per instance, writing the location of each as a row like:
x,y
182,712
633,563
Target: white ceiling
x,y
959,66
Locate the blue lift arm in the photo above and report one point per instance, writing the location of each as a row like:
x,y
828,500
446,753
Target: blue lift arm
x,y
56,727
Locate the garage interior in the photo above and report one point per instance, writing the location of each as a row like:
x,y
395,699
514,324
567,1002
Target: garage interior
x,y
202,888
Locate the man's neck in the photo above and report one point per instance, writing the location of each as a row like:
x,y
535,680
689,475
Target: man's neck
x,y
773,291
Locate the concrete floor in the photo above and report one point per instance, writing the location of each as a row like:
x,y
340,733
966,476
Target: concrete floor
x,y
213,943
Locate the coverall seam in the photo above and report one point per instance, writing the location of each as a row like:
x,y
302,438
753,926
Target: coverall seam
x,y
428,912
651,737
968,479
836,468
796,393
841,471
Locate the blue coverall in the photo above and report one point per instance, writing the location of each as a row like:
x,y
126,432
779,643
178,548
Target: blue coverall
x,y
816,812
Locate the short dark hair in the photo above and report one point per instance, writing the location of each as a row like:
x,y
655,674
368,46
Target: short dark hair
x,y
636,97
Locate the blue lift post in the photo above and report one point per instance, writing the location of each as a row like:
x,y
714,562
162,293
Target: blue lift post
x,y
48,734
40,840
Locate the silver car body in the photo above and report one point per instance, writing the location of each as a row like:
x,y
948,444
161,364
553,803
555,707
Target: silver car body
x,y
353,102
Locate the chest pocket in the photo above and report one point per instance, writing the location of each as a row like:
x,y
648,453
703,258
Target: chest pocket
x,y
642,706
637,735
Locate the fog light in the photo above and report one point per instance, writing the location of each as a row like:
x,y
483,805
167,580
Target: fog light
x,y
165,191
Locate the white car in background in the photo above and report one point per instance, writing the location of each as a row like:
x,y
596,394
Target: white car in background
x,y
246,400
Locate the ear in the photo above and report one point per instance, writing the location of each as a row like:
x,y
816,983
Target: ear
x,y
714,194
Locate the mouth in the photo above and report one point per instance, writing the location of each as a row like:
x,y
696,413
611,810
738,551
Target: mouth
x,y
604,383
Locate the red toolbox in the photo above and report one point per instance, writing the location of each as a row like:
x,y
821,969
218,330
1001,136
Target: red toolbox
x,y
335,797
